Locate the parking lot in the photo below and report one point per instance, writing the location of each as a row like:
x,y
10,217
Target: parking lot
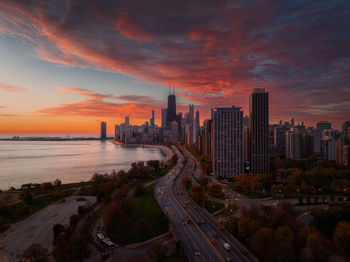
x,y
38,228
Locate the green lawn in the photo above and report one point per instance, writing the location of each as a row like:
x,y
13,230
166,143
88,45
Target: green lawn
x,y
212,206
143,207
86,191
78,184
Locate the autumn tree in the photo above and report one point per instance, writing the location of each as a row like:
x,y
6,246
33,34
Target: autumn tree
x,y
35,253
114,216
341,237
186,181
249,223
263,242
198,193
215,189
157,252
57,230
120,194
318,247
284,240
27,197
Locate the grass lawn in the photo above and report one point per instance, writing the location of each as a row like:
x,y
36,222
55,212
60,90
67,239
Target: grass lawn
x,y
146,209
86,191
22,210
78,184
212,206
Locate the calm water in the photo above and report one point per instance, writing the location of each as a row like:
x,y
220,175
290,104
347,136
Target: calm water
x,y
73,161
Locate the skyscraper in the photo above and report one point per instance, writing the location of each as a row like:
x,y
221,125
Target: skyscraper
x,y
259,131
345,132
103,130
171,112
323,125
164,117
227,150
151,121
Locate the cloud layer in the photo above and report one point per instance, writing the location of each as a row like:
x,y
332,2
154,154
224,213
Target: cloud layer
x,y
214,51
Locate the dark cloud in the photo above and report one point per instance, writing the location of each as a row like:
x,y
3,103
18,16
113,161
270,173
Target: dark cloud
x,y
215,51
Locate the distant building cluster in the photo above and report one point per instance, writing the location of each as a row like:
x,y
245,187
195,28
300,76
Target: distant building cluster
x,y
295,141
235,143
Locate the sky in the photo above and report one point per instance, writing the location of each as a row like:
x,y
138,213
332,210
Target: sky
x,y
67,65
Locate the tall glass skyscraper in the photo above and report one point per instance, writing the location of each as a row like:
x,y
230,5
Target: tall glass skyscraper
x,y
171,112
345,132
259,131
103,130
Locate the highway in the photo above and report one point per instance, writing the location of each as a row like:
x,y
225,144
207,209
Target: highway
x,y
197,248
202,234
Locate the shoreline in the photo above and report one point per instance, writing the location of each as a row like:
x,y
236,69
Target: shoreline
x,y
166,150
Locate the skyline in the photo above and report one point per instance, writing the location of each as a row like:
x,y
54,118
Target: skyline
x,y
65,67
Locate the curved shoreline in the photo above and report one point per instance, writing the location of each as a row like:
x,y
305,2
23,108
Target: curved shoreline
x,y
166,150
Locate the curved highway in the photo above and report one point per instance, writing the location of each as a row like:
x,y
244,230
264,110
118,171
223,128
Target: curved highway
x,y
200,236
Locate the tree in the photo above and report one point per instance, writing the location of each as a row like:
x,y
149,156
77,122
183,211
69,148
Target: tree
x,y
57,182
284,240
318,247
46,186
78,247
139,189
73,220
157,252
341,238
263,241
249,223
114,216
198,193
35,253
27,197
186,181
215,189
57,230
120,194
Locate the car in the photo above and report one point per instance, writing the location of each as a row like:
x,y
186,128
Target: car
x,y
189,221
219,228
196,252
214,243
183,222
227,246
203,221
173,213
199,223
215,236
185,207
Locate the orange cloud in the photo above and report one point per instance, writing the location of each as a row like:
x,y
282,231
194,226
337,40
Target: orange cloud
x,y
131,30
12,89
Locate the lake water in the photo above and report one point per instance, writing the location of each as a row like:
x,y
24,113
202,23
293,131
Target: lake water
x,y
24,162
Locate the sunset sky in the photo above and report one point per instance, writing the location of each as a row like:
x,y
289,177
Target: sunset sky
x,y
67,65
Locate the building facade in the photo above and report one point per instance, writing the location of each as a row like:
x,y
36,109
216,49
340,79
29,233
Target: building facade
x,y
227,149
103,130
259,131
